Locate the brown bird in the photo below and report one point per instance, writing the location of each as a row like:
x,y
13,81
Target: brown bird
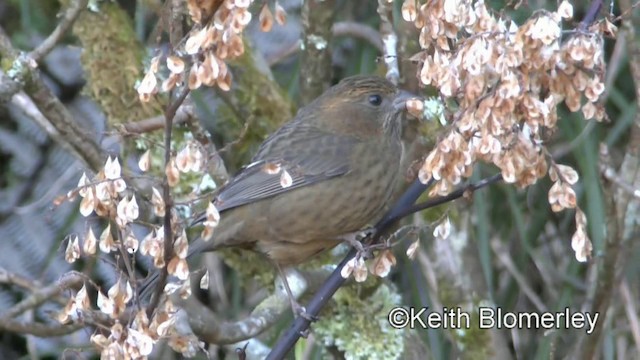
x,y
343,153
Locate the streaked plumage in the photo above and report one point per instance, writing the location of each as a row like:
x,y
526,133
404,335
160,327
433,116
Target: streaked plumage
x,y
343,154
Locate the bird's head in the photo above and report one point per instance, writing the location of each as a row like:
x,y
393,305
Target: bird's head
x,y
364,105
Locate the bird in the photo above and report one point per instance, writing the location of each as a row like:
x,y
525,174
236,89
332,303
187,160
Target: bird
x,y
342,152
321,177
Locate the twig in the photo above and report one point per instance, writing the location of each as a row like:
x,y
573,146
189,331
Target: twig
x,y
43,294
401,213
169,114
70,15
616,60
632,312
591,15
520,278
565,149
389,40
610,174
7,277
184,114
38,329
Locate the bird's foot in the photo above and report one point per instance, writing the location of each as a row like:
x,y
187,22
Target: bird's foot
x,y
298,310
354,239
301,311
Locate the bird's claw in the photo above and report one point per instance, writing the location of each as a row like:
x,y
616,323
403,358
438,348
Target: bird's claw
x,y
354,239
299,310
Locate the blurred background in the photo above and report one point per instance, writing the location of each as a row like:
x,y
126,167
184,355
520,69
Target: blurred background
x,y
507,248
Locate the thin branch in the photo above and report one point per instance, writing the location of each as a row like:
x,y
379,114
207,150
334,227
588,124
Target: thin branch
x,y
402,207
38,329
591,15
69,17
389,40
632,312
615,62
184,114
38,297
403,212
519,277
7,277
169,115
610,174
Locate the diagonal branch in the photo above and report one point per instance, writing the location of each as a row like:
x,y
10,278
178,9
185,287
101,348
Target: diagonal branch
x,y
403,207
70,15
70,133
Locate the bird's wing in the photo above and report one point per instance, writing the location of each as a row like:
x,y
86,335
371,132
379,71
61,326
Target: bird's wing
x,y
308,154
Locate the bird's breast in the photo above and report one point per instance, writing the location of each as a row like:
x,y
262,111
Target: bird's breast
x,y
295,225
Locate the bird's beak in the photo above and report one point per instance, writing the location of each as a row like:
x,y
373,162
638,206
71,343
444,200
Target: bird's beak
x,y
400,102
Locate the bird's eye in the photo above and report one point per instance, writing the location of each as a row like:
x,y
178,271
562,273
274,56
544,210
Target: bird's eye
x,y
375,100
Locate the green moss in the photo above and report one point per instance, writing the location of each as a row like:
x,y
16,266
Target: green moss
x,y
357,323
112,58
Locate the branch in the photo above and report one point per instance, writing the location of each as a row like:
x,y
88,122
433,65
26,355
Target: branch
x,y
169,115
621,217
38,329
38,297
71,134
7,277
402,207
41,295
184,114
72,13
389,40
632,312
591,15
208,327
176,17
315,71
611,175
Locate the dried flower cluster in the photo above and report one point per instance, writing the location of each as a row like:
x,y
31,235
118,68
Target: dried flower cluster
x,y
380,266
508,81
384,260
106,194
215,38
